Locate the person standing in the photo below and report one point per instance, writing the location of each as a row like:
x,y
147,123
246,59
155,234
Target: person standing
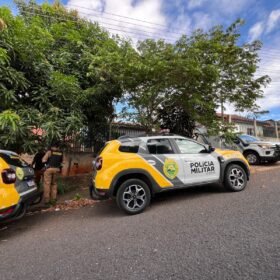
x,y
53,160
38,166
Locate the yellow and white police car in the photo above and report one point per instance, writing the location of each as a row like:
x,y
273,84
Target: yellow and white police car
x,y
134,169
17,186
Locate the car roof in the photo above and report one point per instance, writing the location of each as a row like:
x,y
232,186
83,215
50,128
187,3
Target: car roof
x,y
164,137
148,137
7,152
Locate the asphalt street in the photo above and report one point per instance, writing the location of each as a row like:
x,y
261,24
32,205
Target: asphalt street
x,y
200,233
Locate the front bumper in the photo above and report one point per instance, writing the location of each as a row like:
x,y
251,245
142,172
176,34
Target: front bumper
x,y
18,211
273,155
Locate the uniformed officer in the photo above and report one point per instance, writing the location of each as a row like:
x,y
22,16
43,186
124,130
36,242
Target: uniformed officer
x,y
53,160
38,166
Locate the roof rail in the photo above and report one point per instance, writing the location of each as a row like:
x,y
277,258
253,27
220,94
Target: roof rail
x,y
148,134
127,136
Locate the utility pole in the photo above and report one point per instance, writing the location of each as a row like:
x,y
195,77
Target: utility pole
x,y
222,108
110,130
255,126
276,130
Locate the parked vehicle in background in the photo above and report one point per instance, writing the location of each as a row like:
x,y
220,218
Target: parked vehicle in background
x,y
255,150
17,186
132,169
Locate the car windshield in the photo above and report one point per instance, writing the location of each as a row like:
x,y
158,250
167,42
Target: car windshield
x,y
14,160
248,138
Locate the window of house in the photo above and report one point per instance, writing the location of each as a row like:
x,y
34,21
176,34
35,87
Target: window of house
x,y
250,131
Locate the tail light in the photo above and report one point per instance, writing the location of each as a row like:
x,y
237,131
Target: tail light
x,y
8,176
6,212
98,163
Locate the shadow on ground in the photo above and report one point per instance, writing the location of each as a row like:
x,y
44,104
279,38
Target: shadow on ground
x,y
109,208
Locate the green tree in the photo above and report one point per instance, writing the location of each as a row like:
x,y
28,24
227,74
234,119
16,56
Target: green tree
x,y
59,75
146,84
197,74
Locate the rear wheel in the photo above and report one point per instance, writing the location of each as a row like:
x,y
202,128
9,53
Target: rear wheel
x,y
252,157
133,196
235,178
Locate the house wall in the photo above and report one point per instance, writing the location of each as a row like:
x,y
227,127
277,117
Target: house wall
x,y
77,163
248,129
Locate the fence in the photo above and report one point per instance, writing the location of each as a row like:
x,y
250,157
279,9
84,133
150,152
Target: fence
x,y
269,132
95,141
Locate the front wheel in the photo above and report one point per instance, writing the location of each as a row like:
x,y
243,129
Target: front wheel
x,y
133,196
235,178
252,157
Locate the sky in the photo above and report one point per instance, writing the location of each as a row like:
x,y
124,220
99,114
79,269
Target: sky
x,y
169,19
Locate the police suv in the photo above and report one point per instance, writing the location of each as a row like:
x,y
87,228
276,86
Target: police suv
x,y
17,187
134,169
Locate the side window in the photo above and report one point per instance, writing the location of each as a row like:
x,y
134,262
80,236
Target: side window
x,y
159,146
129,147
189,147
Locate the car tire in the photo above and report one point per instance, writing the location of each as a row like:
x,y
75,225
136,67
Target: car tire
x,y
235,179
133,196
252,157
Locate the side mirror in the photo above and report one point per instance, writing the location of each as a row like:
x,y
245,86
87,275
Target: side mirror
x,y
236,141
211,149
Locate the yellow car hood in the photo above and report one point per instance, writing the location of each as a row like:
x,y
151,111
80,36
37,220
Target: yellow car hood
x,y
231,154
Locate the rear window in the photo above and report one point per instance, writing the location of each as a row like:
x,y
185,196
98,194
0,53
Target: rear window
x,y
14,160
159,146
129,147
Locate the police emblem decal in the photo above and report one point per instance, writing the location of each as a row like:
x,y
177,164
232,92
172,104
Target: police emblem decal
x,y
19,173
170,168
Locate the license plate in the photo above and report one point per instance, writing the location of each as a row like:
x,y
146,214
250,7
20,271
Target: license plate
x,y
31,183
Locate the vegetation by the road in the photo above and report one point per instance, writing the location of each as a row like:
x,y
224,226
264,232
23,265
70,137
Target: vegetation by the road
x,y
60,76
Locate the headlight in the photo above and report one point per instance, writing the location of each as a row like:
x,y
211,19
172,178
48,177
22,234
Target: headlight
x,y
265,146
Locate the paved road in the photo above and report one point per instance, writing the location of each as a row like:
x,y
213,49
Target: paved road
x,y
202,233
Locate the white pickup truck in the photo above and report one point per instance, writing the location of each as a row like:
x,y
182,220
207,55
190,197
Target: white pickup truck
x,y
254,149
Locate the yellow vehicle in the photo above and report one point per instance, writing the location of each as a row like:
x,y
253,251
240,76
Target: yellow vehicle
x,y
17,186
134,169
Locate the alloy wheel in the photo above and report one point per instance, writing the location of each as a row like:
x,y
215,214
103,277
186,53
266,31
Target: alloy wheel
x,y
134,197
236,178
252,158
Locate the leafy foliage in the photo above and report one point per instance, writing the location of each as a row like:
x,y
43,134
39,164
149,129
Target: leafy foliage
x,y
187,82
61,75
58,74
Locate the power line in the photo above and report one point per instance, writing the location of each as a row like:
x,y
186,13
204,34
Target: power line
x,y
130,23
269,71
135,19
104,23
119,21
261,52
141,33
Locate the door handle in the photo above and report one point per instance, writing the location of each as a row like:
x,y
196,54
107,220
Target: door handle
x,y
151,162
